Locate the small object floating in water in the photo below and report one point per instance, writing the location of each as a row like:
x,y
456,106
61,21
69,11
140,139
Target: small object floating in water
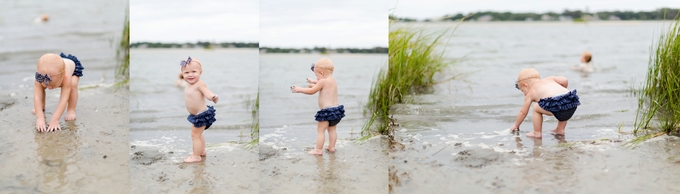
x,y
42,18
104,157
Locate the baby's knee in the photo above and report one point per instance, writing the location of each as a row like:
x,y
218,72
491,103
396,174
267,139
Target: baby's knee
x,y
74,81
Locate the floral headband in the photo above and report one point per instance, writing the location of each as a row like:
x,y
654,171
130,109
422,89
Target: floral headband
x,y
42,78
312,66
185,63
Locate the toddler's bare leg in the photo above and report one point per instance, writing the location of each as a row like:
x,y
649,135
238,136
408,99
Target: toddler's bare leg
x,y
198,145
332,137
320,137
537,119
203,154
73,99
560,128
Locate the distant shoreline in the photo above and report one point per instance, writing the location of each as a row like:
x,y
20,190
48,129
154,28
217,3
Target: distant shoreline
x,y
566,15
232,45
324,50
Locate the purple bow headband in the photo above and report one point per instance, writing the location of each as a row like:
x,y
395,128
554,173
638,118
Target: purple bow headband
x,y
312,66
185,63
40,78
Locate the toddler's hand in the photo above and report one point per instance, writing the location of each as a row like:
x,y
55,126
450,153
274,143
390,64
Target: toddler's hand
x,y
215,99
293,89
54,125
514,128
40,125
309,80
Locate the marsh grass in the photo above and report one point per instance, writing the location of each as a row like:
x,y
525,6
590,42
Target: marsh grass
x,y
123,54
414,59
659,97
255,126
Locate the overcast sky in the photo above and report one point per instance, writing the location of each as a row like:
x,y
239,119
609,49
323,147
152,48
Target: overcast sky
x,y
191,21
422,9
309,23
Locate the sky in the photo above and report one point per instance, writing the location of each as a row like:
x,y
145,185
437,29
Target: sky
x,y
425,9
334,24
197,20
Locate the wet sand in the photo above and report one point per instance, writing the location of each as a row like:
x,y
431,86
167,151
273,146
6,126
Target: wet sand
x,y
576,167
227,168
89,155
353,168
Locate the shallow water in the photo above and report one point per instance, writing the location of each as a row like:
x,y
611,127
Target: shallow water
x,y
439,130
90,31
288,129
160,135
157,104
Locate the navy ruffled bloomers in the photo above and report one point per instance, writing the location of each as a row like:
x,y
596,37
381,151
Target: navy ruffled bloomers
x,y
79,67
562,106
331,114
206,118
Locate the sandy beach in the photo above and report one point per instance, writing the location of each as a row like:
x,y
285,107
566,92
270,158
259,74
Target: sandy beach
x,y
354,168
228,167
89,155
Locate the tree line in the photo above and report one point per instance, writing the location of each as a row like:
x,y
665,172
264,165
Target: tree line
x,y
659,14
324,50
199,44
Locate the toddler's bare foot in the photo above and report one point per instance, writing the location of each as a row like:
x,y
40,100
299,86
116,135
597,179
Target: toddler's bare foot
x,y
331,150
70,115
534,134
191,159
316,152
556,132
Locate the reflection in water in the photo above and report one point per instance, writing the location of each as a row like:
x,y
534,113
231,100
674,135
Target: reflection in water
x,y
329,182
200,183
58,152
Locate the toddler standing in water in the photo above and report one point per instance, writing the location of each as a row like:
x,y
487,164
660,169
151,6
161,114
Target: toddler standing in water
x,y
201,115
553,97
331,111
585,66
56,71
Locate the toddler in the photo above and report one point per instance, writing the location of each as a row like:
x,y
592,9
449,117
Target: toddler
x,y
331,111
585,66
201,115
553,97
56,71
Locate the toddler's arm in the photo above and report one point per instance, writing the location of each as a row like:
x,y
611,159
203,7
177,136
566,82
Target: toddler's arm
x,y
561,80
309,91
522,112
38,95
61,107
207,93
311,81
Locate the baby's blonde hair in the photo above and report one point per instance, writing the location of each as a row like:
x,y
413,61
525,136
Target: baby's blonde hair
x,y
587,56
324,63
526,74
46,64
